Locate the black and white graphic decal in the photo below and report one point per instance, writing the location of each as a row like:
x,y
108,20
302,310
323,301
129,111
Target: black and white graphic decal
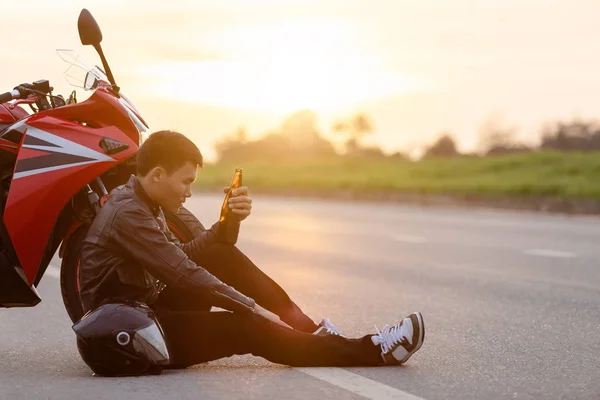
x,y
60,153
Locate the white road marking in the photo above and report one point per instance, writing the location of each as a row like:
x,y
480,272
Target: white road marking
x,y
550,253
409,239
52,271
358,384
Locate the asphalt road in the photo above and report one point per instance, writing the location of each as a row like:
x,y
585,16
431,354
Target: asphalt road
x,y
511,303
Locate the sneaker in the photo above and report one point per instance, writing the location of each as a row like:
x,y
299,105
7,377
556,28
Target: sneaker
x,y
327,328
400,341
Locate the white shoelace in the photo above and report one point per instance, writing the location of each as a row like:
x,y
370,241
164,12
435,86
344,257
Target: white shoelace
x,y
329,327
389,337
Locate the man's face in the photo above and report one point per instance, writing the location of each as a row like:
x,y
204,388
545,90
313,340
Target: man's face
x,y
172,190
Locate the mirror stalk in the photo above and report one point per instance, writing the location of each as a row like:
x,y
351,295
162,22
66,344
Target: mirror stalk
x,y
109,74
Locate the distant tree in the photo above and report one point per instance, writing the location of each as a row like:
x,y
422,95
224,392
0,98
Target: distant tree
x,y
571,136
367,151
297,138
301,123
493,133
302,132
398,156
241,136
232,146
355,128
444,146
499,150
496,138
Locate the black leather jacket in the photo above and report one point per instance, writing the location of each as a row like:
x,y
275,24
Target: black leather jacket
x,y
128,248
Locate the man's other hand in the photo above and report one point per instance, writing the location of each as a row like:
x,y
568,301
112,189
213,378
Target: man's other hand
x,y
240,203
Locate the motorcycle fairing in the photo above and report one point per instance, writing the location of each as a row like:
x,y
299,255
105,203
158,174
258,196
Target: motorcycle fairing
x,y
56,160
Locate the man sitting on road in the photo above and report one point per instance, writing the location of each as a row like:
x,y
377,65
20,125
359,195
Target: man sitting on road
x,y
130,256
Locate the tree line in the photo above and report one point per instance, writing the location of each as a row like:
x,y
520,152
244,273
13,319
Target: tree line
x,y
298,137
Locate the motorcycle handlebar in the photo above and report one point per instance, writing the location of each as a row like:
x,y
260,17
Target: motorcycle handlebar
x,y
8,96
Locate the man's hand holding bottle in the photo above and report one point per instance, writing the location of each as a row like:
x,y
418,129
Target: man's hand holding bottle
x,y
240,202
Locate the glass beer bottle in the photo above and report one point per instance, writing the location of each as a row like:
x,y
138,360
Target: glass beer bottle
x,y
229,223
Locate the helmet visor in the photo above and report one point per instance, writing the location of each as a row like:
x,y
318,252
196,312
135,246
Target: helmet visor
x,y
150,342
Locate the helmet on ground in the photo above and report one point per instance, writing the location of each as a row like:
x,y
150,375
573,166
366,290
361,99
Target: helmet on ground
x,y
121,340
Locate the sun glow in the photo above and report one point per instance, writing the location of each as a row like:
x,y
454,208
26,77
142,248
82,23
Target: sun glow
x,y
281,67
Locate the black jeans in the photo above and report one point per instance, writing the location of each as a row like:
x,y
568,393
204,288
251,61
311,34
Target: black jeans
x,y
196,335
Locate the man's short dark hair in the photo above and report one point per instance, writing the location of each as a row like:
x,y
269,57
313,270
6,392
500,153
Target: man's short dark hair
x,y
168,149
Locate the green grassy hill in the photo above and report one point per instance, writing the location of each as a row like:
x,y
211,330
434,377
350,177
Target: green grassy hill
x,y
571,175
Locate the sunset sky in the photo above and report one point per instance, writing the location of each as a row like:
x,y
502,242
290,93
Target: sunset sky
x,y
416,67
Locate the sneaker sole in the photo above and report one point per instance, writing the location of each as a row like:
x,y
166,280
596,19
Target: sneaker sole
x,y
421,327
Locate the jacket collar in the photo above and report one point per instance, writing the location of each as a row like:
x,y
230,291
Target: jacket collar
x,y
141,193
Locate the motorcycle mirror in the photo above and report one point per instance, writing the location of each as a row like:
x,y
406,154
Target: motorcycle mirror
x,y
89,31
90,34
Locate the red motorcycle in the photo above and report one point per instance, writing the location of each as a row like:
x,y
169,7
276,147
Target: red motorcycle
x,y
57,166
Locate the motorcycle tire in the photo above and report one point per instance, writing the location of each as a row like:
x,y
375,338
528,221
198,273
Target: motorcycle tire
x,y
183,224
